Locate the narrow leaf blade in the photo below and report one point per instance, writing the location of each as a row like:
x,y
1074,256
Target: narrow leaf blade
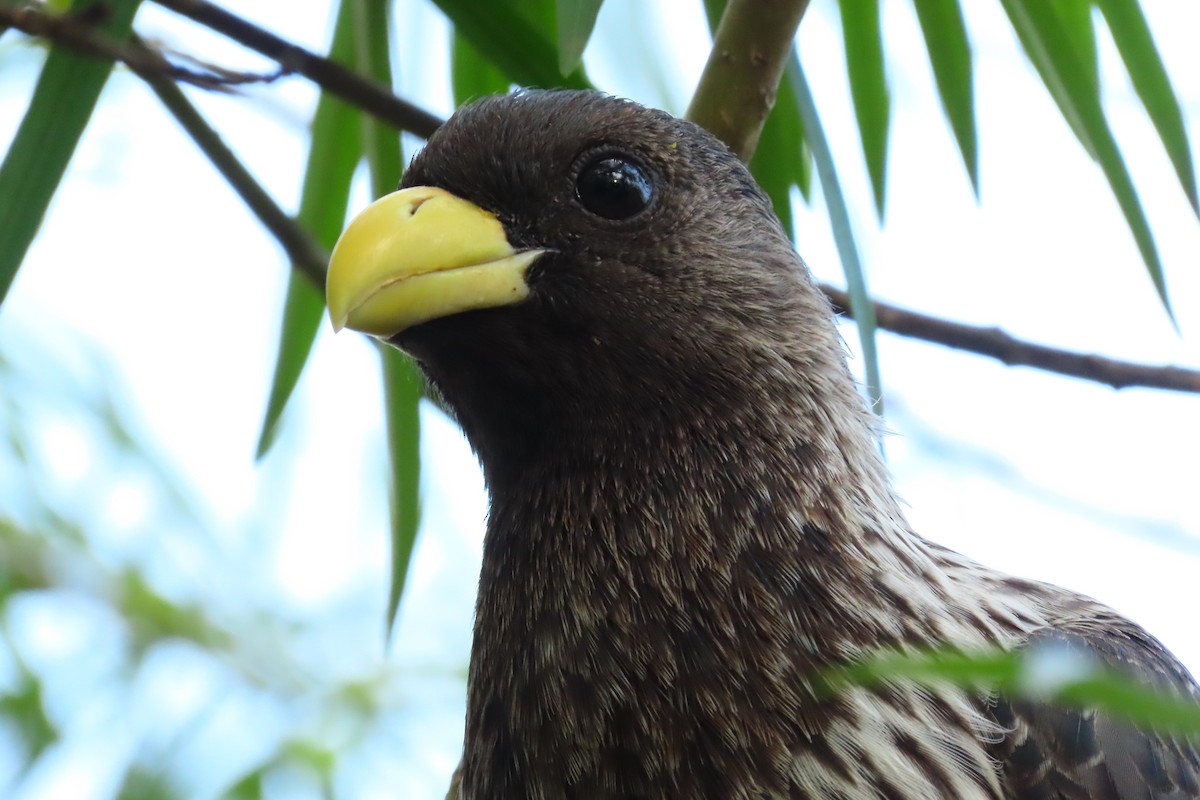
x,y
868,87
576,19
334,152
381,143
511,42
471,75
1132,36
63,100
1059,67
1021,674
1062,70
402,389
843,233
402,383
783,158
713,9
949,49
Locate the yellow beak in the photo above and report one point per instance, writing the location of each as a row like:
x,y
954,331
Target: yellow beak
x,y
419,254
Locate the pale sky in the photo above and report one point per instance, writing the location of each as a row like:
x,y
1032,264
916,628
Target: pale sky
x,y
148,257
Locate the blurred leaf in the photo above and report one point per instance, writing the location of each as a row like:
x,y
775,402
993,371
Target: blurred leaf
x,y
314,755
24,563
402,384
950,57
868,86
471,75
249,787
25,708
1041,32
332,157
152,617
142,784
988,668
576,19
511,42
1131,34
1016,674
843,233
62,104
541,14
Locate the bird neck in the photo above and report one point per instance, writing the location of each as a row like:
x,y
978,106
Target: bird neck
x,y
661,505
679,568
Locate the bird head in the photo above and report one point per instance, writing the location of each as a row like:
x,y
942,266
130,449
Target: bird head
x,y
554,255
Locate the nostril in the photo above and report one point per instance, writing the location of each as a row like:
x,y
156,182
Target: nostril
x,y
417,203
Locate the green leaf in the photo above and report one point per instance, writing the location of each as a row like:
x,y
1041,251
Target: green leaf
x,y
248,787
713,9
152,617
1132,37
576,19
1076,19
402,383
1016,674
1080,36
143,783
950,57
23,706
332,157
303,310
63,100
783,158
843,233
510,41
1042,55
868,86
381,143
1065,74
992,668
471,75
403,388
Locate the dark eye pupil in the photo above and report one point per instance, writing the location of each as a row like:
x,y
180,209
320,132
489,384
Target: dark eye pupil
x,y
614,188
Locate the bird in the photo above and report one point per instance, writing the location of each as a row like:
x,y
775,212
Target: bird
x,y
690,520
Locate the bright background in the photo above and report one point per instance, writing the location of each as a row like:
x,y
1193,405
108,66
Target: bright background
x,y
137,345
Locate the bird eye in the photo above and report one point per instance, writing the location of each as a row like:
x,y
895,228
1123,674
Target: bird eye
x,y
614,188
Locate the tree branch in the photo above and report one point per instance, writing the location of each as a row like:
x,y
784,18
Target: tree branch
x,y
329,75
79,34
737,88
995,343
305,253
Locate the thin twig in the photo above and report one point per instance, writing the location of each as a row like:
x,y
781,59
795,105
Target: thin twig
x,y
737,88
78,34
303,250
360,92
995,343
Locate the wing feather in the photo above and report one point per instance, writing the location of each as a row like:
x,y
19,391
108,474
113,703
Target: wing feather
x,y
1056,752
